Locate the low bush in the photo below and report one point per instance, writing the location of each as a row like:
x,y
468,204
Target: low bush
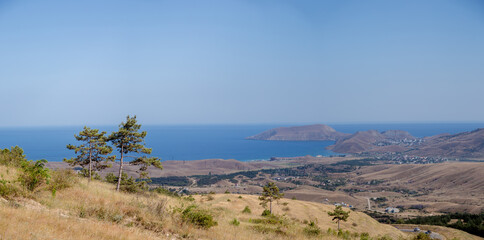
x,y
266,213
166,192
271,220
111,178
235,222
128,184
189,198
312,229
269,229
33,174
13,157
246,210
198,217
7,189
85,173
365,236
422,236
61,179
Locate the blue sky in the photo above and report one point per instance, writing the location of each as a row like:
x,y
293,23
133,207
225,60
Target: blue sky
x,y
236,62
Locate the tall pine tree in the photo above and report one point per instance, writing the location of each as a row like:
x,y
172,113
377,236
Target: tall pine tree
x,y
127,140
92,152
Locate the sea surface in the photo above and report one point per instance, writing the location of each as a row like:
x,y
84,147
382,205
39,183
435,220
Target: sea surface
x,y
184,142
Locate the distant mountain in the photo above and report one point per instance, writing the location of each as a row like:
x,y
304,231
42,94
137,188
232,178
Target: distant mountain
x,y
371,140
466,144
317,132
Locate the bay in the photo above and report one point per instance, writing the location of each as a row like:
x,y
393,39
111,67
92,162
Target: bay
x,y
193,142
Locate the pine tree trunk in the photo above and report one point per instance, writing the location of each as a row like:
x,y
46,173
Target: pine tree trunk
x,y
338,225
120,170
270,206
90,162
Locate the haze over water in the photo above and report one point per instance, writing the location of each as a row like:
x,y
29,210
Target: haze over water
x,y
193,142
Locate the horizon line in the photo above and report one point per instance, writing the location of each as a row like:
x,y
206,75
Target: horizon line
x,y
253,124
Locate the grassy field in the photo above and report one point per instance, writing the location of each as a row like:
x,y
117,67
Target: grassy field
x,y
95,211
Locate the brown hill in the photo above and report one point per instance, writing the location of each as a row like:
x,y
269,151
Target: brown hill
x,y
373,140
466,144
397,135
443,187
317,132
461,145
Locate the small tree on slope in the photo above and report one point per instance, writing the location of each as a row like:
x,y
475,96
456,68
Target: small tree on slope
x,y
269,194
339,215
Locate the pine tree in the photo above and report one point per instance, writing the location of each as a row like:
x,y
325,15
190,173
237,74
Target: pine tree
x,y
339,215
269,194
144,162
127,140
92,153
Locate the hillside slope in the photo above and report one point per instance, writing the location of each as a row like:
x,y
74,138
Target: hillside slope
x,y
466,144
443,187
95,211
372,140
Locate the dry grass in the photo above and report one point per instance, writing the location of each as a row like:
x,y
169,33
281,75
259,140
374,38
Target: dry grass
x,y
23,223
448,233
95,211
8,173
299,212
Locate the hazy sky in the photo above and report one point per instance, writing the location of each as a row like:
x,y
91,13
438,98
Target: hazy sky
x,y
201,62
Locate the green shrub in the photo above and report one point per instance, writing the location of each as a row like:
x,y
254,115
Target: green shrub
x,y
387,238
33,174
227,191
365,236
111,178
235,222
128,184
266,213
312,229
85,173
198,217
240,197
13,157
270,220
189,198
8,189
166,192
62,178
344,234
422,236
246,210
269,229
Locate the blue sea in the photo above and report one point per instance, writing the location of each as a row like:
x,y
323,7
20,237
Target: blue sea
x,y
183,142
